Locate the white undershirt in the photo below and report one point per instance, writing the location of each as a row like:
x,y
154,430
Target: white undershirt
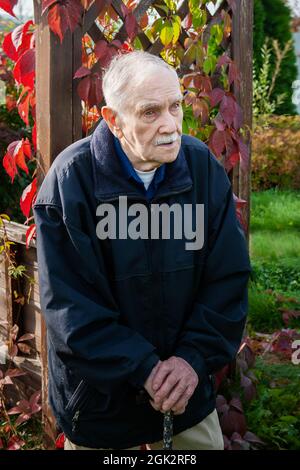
x,y
146,176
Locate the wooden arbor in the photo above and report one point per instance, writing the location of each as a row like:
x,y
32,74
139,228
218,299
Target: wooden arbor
x,y
59,107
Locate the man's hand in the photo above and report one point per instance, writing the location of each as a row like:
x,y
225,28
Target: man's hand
x,y
171,384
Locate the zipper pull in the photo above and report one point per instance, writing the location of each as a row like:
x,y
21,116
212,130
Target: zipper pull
x,y
75,420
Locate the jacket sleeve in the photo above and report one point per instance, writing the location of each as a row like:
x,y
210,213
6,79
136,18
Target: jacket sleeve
x,y
212,333
82,317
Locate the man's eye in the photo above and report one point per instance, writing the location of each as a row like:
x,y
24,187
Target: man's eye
x,y
149,113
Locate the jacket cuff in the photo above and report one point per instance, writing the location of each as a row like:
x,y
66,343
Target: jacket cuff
x,y
194,358
143,371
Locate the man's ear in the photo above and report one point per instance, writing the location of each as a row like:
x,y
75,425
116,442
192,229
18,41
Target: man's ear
x,y
110,117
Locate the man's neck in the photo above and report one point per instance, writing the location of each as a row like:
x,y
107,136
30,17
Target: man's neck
x,y
137,163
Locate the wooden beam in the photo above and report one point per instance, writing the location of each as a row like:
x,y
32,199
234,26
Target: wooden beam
x,y
58,117
242,54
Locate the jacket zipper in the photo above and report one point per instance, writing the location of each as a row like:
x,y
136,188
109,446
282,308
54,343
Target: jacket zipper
x,y
75,402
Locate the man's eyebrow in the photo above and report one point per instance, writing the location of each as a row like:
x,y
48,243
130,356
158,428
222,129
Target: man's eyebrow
x,y
145,106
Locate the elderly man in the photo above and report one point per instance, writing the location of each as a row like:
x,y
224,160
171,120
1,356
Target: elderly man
x,y
139,320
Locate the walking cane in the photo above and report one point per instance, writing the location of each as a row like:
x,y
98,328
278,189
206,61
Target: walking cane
x,y
168,430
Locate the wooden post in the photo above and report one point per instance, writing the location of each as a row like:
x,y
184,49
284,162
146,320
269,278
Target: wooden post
x,y
58,117
242,54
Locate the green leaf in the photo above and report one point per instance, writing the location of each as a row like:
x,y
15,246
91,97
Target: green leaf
x,y
137,43
170,4
157,25
162,7
176,31
207,65
217,32
199,18
166,33
5,216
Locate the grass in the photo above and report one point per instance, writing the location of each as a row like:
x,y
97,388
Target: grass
x,y
275,210
275,256
275,226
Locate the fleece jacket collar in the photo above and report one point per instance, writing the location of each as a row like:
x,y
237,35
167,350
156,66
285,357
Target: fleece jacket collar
x,y
109,179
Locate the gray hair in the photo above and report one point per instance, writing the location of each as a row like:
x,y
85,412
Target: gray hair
x,y
125,72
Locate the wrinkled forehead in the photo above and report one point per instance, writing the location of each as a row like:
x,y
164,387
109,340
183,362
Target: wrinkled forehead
x,y
161,87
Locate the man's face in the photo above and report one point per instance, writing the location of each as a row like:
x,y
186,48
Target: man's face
x,y
154,117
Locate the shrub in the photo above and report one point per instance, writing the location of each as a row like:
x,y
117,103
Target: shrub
x,y
277,25
263,311
276,154
274,416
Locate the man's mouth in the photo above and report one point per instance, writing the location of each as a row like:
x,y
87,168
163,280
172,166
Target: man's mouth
x,y
169,142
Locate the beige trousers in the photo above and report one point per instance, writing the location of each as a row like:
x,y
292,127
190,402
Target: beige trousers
x,y
206,435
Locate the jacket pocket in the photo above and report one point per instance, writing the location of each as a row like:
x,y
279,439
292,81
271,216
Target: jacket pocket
x,y
78,398
87,403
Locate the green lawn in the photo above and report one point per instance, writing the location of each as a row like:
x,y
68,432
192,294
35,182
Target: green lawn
x,y
275,256
275,227
275,286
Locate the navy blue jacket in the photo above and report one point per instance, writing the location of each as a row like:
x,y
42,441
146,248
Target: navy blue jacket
x,y
113,308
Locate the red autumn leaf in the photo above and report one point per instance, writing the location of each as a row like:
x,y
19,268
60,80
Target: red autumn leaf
x,y
203,82
31,232
60,441
34,399
27,197
144,21
187,22
24,70
104,52
200,110
15,157
248,386
228,109
82,72
124,9
9,48
8,5
216,96
217,142
9,165
63,15
219,123
21,38
15,443
23,105
233,420
47,4
223,60
90,89
232,158
131,26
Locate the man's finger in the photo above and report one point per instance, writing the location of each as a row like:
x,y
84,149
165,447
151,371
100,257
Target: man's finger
x,y
179,393
160,375
165,389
